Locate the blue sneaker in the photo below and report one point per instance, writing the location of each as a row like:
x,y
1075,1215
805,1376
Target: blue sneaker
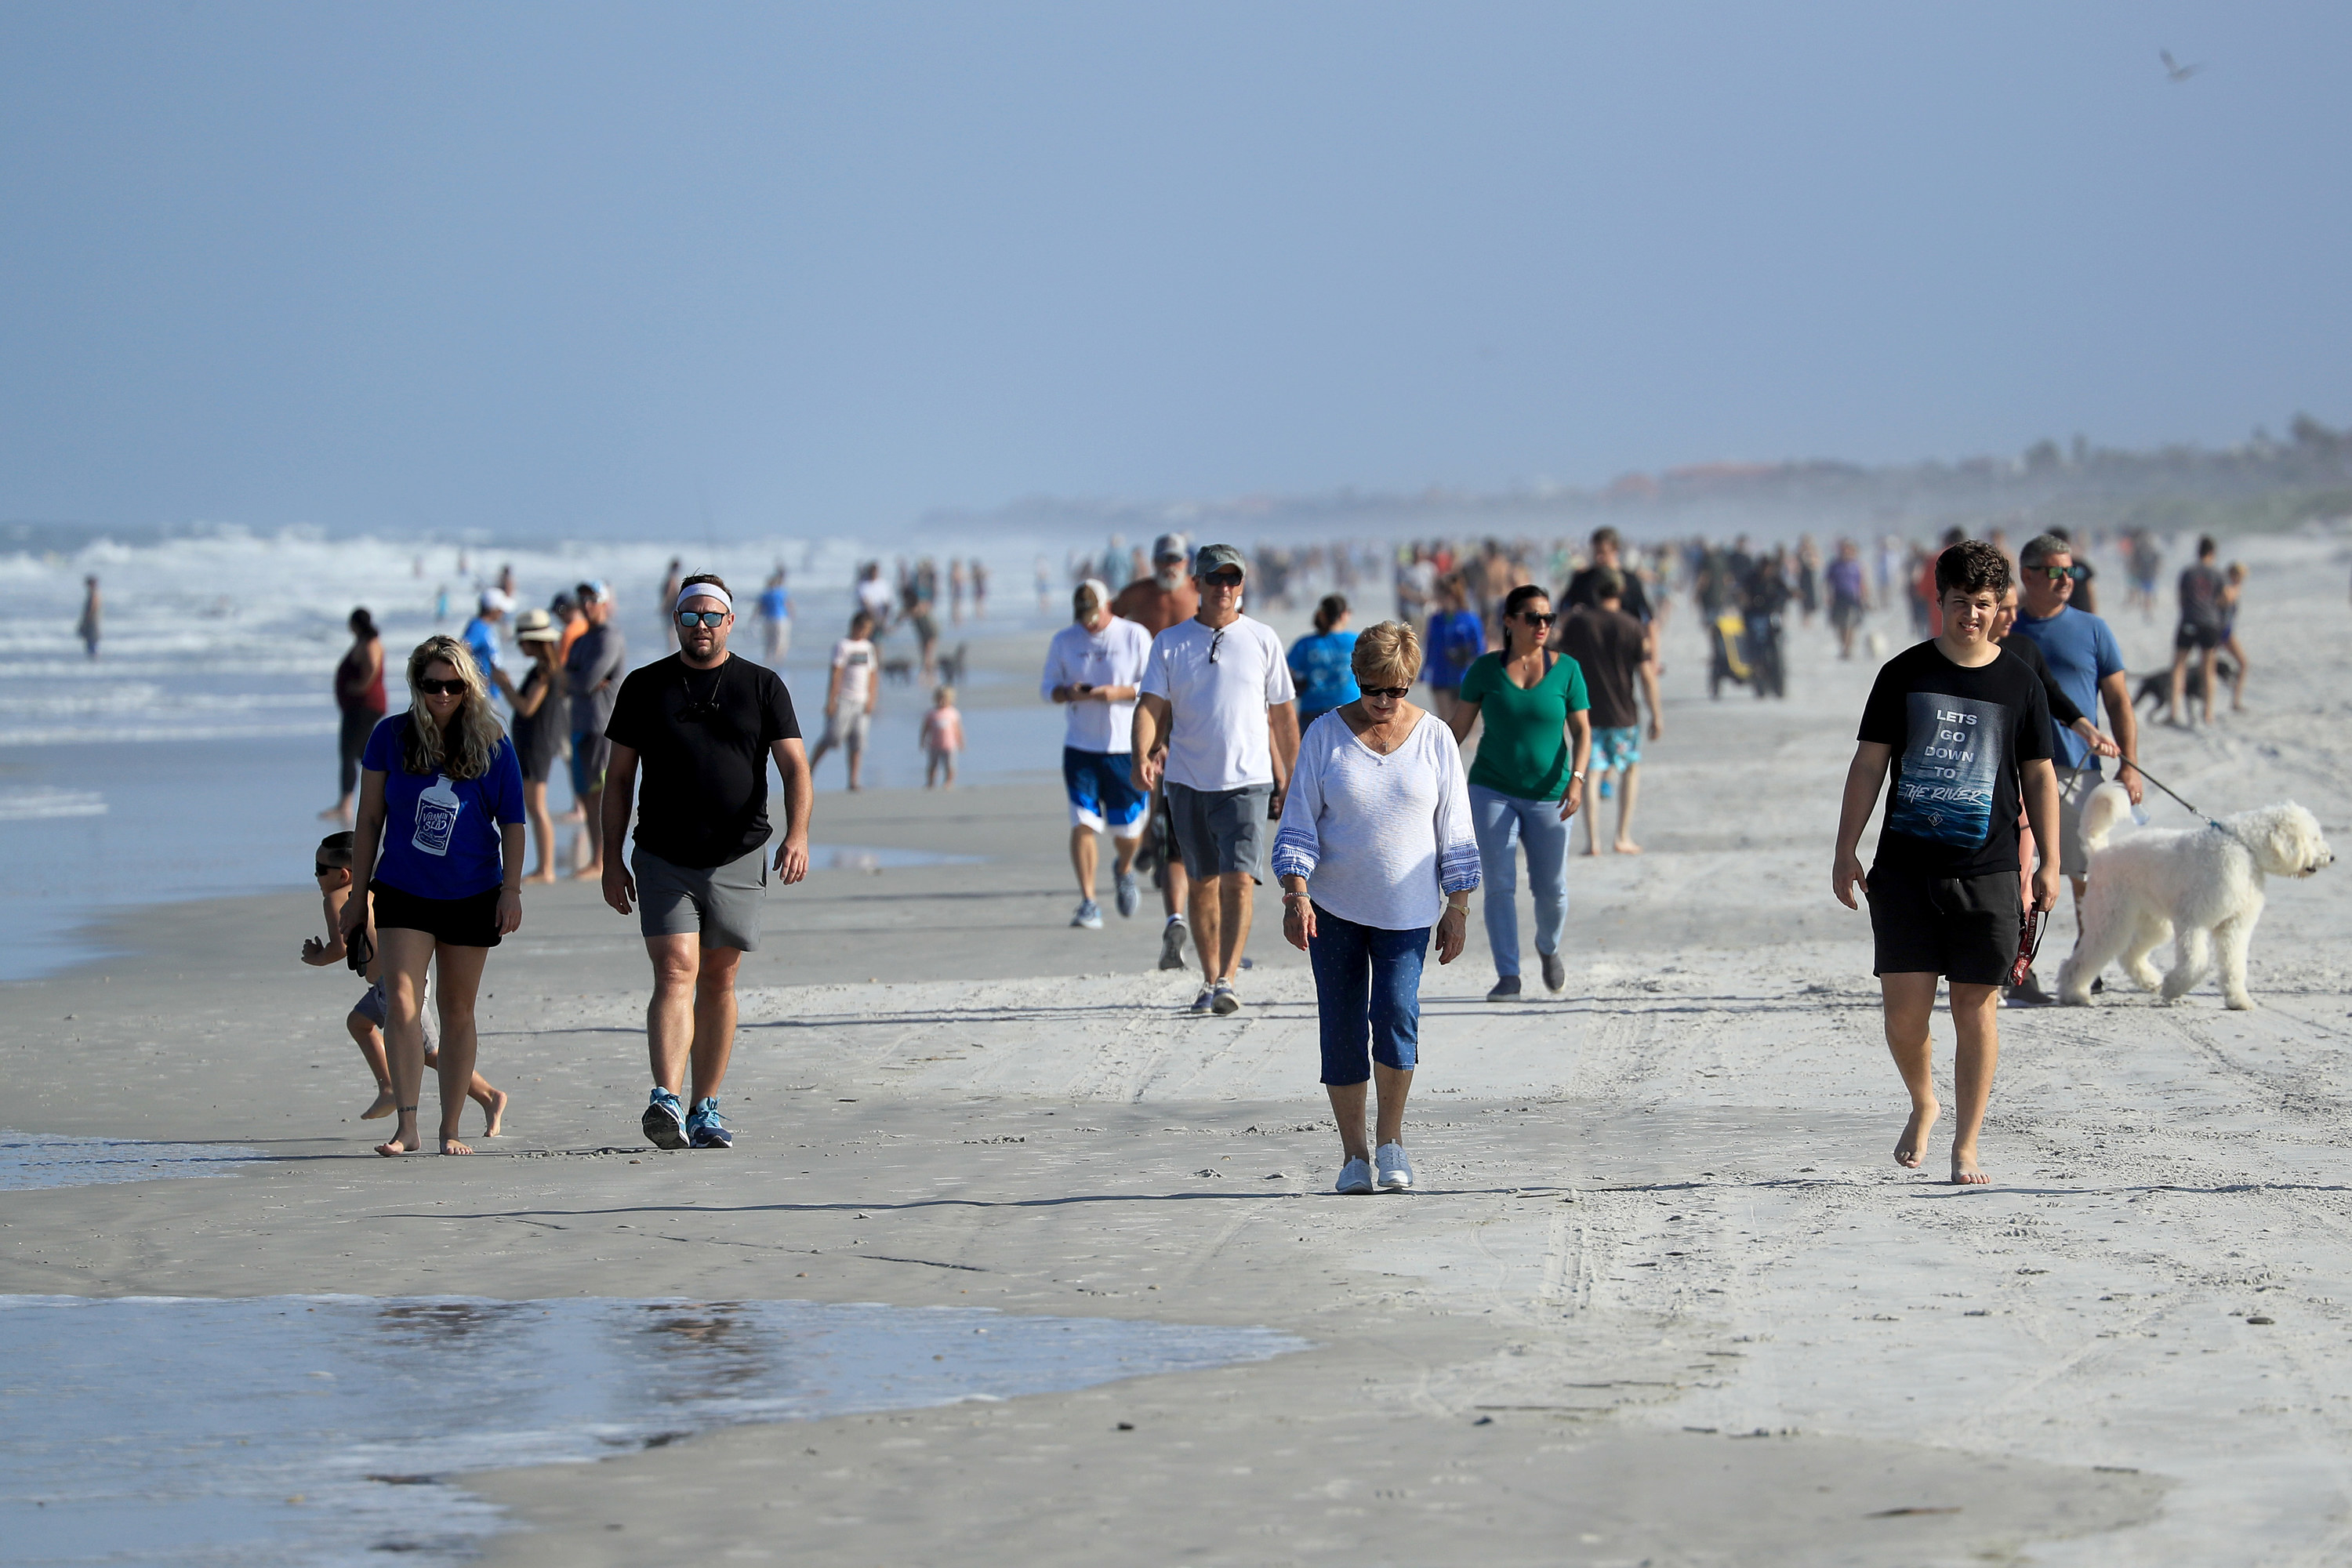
x,y
1090,915
703,1127
664,1121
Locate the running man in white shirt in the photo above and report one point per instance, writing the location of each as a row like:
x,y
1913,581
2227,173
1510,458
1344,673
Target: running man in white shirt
x,y
849,699
1219,717
1096,665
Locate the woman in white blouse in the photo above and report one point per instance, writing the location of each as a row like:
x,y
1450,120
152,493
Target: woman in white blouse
x,y
1375,848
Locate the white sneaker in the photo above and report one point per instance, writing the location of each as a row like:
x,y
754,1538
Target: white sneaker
x,y
1355,1177
1396,1168
1090,915
1207,997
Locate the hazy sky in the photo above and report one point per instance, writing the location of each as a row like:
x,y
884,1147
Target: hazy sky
x,y
541,270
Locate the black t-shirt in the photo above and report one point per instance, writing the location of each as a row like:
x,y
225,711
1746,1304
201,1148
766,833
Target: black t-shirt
x,y
701,738
1958,735
1584,589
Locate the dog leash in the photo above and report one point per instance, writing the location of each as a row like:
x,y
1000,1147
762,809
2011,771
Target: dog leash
x,y
2175,794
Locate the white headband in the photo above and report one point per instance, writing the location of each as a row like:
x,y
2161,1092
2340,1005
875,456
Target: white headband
x,y
703,590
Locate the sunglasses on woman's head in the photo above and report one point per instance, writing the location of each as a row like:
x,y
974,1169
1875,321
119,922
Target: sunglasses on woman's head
x,y
442,688
1393,693
689,619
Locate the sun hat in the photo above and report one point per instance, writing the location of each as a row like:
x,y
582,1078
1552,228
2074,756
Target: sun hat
x,y
534,625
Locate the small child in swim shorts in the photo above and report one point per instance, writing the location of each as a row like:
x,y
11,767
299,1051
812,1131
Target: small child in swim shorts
x,y
331,867
942,737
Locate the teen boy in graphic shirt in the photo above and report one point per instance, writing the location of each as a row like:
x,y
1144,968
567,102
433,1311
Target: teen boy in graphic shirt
x,y
1966,727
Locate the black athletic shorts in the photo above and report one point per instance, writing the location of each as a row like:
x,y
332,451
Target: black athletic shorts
x,y
470,921
2195,637
1964,929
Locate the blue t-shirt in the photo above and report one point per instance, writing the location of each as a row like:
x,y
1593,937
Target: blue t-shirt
x,y
481,640
441,834
1323,667
1453,645
775,604
2081,652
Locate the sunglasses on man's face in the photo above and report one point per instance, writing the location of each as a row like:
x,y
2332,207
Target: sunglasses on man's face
x,y
1386,693
1225,579
689,619
325,870
442,688
2063,574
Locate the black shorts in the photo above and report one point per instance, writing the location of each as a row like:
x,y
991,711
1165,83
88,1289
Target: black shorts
x,y
470,921
2195,636
1964,929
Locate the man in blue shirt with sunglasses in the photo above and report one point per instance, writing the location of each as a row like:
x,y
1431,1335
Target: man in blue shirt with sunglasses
x,y
2089,667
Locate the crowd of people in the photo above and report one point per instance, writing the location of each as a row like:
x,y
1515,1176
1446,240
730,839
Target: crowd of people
x,y
1207,750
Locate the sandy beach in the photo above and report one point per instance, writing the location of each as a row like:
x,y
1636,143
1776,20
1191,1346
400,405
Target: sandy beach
x,y
1663,1296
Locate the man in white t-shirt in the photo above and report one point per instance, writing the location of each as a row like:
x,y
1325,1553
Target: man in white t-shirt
x,y
874,596
1095,664
849,699
1218,717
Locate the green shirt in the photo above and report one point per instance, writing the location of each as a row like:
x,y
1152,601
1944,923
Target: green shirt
x,y
1525,751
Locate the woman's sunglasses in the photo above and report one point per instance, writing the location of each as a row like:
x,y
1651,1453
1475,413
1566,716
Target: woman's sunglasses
x,y
442,688
689,619
1535,620
1391,693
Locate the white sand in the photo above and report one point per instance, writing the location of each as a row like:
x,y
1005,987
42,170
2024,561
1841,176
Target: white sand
x,y
1661,1204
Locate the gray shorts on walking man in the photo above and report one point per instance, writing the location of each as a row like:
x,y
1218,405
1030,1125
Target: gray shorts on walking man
x,y
2074,788
1221,830
719,903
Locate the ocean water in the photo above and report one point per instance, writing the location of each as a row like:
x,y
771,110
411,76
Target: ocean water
x,y
190,758
326,1430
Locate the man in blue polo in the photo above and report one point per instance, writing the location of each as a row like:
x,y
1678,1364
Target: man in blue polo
x,y
2089,667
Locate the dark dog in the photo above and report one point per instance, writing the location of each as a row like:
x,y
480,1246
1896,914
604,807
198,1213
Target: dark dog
x,y
951,665
901,670
2156,690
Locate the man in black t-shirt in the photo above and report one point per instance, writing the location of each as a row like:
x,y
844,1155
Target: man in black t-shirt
x,y
1966,728
1583,587
703,726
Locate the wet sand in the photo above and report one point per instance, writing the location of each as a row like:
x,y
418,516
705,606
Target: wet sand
x,y
1664,1295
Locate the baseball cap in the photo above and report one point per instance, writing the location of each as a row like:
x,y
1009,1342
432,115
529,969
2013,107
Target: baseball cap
x,y
494,600
1213,556
1168,547
536,626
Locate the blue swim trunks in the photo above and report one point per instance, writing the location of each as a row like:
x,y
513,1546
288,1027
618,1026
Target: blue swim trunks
x,y
1616,750
1102,792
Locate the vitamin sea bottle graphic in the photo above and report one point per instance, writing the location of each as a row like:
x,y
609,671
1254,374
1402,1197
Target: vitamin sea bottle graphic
x,y
436,816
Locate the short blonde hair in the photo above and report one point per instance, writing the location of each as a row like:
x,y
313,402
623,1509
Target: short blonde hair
x,y
1387,655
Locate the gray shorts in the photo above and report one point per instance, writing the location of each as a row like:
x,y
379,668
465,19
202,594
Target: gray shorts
x,y
719,903
371,1004
1220,830
2074,788
848,730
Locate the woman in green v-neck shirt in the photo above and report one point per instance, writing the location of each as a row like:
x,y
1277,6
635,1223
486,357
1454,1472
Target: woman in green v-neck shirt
x,y
1533,753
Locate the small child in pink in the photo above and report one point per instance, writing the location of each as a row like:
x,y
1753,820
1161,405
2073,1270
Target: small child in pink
x,y
941,738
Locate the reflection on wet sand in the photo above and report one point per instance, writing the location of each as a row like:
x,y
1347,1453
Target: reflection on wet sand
x,y
314,1429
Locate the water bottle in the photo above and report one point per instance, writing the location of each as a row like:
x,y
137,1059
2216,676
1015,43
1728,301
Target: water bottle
x,y
2139,815
436,817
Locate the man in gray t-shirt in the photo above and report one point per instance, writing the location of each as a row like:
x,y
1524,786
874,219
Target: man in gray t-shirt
x,y
593,672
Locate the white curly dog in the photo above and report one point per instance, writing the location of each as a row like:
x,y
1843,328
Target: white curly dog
x,y
2200,885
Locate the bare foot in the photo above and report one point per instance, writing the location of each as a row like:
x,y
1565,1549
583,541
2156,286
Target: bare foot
x,y
591,872
382,1106
1593,847
1913,1145
497,1112
451,1146
544,875
396,1144
1626,847
1965,1173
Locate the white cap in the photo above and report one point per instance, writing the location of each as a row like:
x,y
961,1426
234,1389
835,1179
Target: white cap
x,y
494,600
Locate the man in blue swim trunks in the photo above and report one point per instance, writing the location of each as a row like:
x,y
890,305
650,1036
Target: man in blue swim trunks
x,y
1613,650
1096,665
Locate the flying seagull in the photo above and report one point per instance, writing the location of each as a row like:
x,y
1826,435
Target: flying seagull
x,y
2175,72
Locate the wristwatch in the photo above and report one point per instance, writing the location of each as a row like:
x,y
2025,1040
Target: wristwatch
x,y
1576,773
